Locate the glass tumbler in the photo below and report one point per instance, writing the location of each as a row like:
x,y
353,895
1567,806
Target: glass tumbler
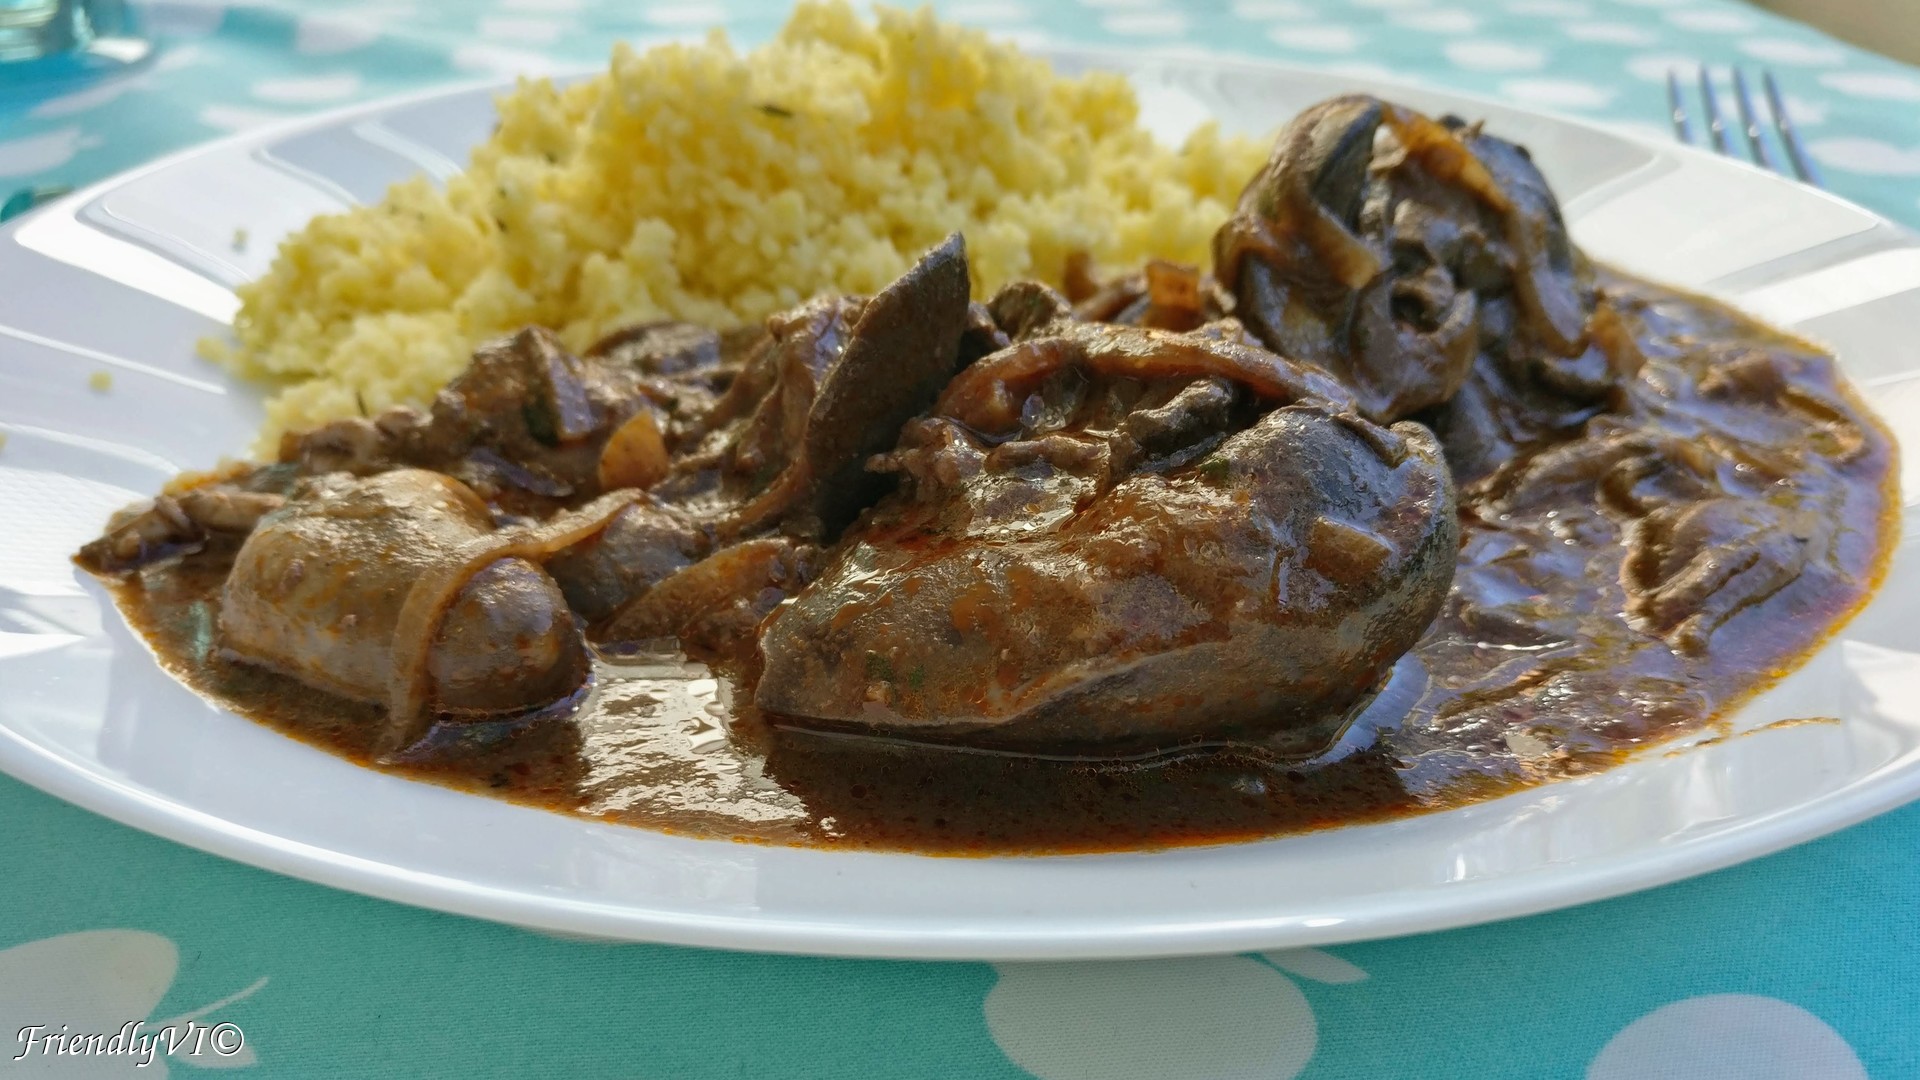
x,y
45,41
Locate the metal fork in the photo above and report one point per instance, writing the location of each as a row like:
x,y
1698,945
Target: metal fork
x,y
1759,147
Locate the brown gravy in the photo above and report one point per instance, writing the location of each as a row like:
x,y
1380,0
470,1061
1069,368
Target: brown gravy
x,y
1532,673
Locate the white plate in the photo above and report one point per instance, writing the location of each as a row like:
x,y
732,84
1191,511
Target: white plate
x,y
122,278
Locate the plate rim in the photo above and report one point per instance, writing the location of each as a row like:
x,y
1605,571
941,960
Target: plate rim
x,y
1456,906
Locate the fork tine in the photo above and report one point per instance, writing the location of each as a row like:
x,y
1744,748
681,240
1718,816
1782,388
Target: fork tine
x,y
1750,123
1789,137
1716,126
1677,103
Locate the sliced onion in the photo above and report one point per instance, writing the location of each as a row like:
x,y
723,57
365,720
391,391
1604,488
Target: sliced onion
x,y
663,609
1440,151
1347,257
986,395
635,456
409,683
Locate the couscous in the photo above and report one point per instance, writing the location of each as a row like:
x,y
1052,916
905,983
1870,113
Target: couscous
x,y
697,182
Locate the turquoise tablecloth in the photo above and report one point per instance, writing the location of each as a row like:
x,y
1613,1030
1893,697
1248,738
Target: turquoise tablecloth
x,y
1803,966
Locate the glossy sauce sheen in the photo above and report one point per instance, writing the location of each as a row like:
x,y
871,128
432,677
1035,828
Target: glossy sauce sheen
x,y
1530,674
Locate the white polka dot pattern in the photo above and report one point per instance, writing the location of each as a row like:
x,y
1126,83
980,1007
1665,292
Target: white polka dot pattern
x,y
521,29
1611,33
1199,1018
1157,24
989,11
1871,157
1557,93
1316,38
238,117
1876,85
1793,51
1271,9
308,91
1481,55
1437,20
30,154
1653,67
1719,22
1727,1037
1552,9
700,15
327,35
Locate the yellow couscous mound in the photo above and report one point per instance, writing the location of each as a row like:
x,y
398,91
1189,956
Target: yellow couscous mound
x,y
694,182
